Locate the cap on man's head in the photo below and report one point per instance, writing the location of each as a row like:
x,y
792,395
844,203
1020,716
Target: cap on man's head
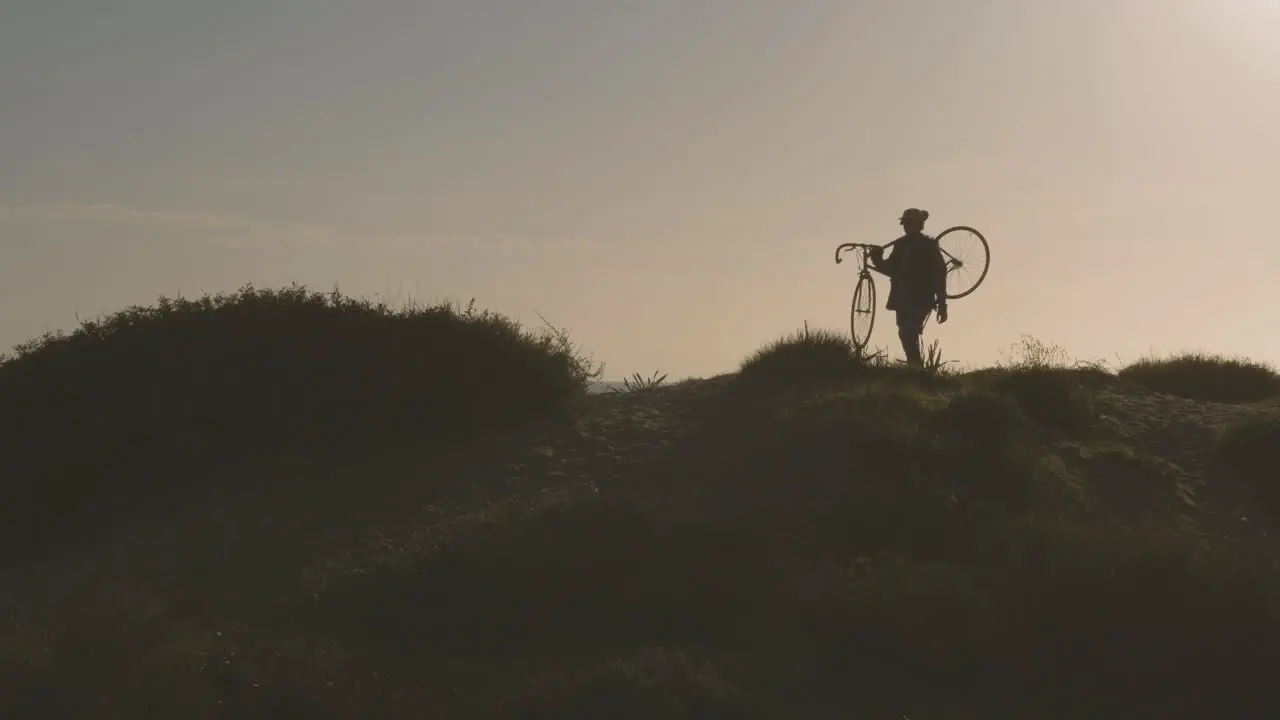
x,y
915,214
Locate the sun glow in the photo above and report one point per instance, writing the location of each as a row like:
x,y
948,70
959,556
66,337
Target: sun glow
x,y
1255,20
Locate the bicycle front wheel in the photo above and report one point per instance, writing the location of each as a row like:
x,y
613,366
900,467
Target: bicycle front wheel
x,y
968,258
862,313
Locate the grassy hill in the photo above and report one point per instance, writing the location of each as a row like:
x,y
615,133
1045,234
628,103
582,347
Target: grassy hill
x,y
288,504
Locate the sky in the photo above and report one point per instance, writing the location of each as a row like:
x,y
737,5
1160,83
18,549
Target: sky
x,y
667,179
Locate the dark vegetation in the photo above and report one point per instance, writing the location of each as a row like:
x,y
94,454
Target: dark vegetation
x,y
837,538
147,401
1251,450
1201,376
819,355
1052,398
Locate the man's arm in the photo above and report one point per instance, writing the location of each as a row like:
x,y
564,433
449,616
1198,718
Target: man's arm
x,y
882,264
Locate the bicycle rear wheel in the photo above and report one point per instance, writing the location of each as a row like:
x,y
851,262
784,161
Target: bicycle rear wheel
x,y
862,312
968,258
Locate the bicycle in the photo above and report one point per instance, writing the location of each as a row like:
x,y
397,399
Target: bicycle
x,y
863,307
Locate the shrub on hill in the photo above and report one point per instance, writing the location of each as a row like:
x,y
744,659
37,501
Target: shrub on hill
x,y
819,355
1200,376
1250,449
1051,398
145,400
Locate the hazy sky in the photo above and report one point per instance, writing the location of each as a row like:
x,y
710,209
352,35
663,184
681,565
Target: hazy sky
x,y
667,178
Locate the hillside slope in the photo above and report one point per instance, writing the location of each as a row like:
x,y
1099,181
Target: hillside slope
x,y
830,539
1183,435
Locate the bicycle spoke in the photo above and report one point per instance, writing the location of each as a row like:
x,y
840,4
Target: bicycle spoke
x,y
862,312
958,276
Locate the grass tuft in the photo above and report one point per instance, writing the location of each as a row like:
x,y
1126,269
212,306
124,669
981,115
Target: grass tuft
x,y
807,356
1203,376
640,383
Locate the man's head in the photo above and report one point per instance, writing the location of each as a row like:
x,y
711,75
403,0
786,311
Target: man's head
x,y
912,219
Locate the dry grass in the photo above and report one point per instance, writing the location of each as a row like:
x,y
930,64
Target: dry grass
x,y
1054,399
815,355
1205,376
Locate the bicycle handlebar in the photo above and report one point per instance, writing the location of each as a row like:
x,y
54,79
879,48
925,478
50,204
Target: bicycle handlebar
x,y
852,246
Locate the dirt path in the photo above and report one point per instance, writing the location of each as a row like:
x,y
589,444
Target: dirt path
x,y
1176,429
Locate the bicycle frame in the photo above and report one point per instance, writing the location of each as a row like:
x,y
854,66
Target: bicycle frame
x,y
864,255
864,276
865,251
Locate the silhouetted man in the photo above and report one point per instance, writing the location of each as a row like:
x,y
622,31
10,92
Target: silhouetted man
x,y
917,281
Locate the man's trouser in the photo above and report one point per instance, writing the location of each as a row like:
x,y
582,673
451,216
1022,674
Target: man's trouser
x,y
910,327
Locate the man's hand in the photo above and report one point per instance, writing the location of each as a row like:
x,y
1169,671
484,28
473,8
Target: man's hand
x,y
942,314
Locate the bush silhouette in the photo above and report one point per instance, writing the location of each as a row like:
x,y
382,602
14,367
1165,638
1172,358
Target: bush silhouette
x,y
1250,449
1051,398
1201,376
151,399
807,355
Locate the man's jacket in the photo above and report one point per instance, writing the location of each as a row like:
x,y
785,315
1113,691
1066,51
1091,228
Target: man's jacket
x,y
917,273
